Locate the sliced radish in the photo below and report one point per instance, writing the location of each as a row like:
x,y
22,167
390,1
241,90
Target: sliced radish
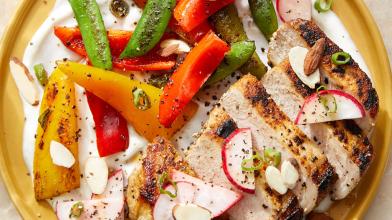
x,y
165,204
293,9
212,197
237,147
109,208
297,61
114,187
191,212
321,107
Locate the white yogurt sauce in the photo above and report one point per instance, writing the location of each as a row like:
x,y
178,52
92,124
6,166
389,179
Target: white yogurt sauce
x,y
45,48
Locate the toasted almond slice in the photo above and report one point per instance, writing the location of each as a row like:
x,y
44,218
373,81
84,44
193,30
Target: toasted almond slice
x,y
24,81
289,174
191,212
173,46
60,155
314,56
297,60
96,172
275,180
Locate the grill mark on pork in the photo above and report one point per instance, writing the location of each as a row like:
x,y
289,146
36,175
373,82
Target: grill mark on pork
x,y
350,139
161,156
285,206
365,91
320,172
226,128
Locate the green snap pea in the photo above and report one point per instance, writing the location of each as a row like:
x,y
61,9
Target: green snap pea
x,y
93,31
41,74
264,15
150,28
240,52
229,27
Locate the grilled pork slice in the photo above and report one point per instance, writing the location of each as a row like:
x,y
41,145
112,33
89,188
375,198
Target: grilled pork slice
x,y
143,190
204,156
249,105
347,149
349,78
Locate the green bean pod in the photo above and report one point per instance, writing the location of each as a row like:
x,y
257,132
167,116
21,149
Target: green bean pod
x,y
229,27
93,31
264,15
150,28
240,52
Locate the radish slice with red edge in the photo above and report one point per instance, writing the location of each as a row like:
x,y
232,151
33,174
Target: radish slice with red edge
x,y
108,208
212,197
238,147
293,9
165,204
329,105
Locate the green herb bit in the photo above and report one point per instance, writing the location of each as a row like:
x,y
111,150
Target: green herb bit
x,y
119,8
163,179
323,5
320,88
159,81
76,210
325,101
258,166
340,58
272,156
43,118
41,74
141,99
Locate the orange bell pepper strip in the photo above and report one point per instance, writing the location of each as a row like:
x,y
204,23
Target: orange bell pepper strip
x,y
190,76
117,90
193,36
191,13
118,39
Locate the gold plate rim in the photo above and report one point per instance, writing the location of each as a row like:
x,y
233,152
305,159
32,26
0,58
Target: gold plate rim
x,y
13,29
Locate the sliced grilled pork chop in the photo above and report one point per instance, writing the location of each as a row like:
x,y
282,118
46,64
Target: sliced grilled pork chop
x,y
347,149
349,78
204,156
143,190
249,105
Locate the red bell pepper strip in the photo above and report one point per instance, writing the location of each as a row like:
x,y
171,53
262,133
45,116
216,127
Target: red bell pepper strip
x,y
190,76
193,36
118,39
111,128
191,13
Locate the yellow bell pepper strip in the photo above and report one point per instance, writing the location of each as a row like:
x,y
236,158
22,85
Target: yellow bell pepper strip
x,y
190,76
58,122
118,91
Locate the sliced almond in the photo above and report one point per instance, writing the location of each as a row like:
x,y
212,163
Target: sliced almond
x,y
314,56
275,180
289,174
96,172
191,212
297,60
174,46
24,81
60,155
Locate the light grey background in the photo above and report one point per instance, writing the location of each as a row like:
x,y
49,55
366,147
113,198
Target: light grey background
x,y
382,205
